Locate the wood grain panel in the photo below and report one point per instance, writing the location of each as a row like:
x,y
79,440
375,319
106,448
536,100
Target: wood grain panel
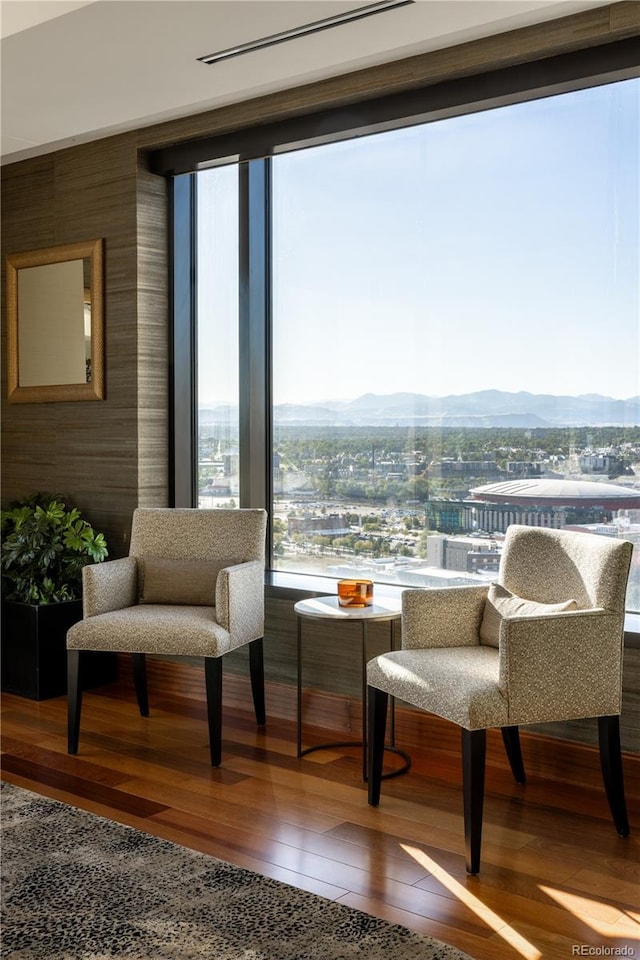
x,y
153,338
28,222
108,796
105,456
28,205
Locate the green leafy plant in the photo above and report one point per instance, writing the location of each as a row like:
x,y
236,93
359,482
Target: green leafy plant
x,y
45,545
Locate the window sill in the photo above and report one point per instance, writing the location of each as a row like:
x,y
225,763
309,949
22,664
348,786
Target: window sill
x,y
297,586
632,630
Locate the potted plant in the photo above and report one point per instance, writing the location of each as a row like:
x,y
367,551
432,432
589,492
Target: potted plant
x,y
45,545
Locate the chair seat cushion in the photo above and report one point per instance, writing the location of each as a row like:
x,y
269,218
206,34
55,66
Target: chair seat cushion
x,y
457,683
153,628
501,603
187,582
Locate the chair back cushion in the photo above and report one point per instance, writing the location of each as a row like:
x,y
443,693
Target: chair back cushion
x,y
552,566
501,603
190,582
181,533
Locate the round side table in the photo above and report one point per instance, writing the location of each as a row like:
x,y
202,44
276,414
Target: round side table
x,y
328,609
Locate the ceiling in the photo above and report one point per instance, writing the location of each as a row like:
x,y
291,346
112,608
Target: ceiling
x,y
77,71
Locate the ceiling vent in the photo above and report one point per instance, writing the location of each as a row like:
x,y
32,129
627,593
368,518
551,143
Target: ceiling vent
x,y
336,21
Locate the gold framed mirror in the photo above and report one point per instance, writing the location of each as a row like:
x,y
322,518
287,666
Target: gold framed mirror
x,y
55,324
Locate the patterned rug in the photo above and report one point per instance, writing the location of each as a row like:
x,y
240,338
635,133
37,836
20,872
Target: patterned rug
x,y
79,887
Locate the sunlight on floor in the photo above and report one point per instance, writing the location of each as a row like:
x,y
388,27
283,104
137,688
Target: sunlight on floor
x,y
512,937
586,909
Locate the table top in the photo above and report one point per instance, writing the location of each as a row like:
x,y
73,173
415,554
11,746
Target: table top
x,y
328,608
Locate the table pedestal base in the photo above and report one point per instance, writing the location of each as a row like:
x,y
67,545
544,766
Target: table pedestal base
x,y
329,610
361,745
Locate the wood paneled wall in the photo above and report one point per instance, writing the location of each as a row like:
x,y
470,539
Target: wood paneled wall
x,y
111,456
153,339
100,454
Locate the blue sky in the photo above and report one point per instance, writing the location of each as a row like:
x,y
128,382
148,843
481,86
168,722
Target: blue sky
x,y
494,251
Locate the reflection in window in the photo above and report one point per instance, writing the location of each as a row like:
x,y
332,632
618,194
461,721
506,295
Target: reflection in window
x,y
456,340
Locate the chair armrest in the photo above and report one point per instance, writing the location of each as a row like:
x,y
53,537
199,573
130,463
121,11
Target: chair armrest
x,y
240,601
109,586
561,667
448,617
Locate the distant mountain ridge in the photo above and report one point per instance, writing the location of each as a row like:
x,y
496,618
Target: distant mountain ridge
x,y
483,408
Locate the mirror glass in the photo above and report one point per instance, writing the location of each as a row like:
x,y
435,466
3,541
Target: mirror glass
x,y
55,324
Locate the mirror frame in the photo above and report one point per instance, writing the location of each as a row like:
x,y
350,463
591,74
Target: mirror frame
x,y
93,251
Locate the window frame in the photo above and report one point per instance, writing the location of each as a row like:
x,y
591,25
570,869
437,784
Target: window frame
x,y
251,148
607,62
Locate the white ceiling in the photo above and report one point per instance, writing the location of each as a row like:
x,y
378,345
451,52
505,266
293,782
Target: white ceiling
x,y
76,71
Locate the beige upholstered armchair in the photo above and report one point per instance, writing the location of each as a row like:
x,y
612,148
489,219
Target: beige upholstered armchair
x,y
192,585
544,643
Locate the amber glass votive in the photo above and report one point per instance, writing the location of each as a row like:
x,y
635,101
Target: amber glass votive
x,y
355,593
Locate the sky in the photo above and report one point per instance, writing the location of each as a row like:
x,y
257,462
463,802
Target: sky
x,y
498,250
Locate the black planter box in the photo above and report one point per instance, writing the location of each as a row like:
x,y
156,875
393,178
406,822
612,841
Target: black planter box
x,y
34,653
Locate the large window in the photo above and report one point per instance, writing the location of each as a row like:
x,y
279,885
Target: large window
x,y
451,338
456,339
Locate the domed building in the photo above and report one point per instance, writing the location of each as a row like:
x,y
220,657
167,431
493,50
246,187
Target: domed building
x,y
574,493
490,508
549,503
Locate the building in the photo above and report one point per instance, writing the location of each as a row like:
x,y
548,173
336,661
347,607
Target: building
x,y
450,469
328,525
595,463
548,503
524,468
534,503
469,554
571,494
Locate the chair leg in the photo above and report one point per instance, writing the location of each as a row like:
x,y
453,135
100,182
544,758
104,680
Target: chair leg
x,y
140,682
74,700
474,746
511,738
256,670
611,763
377,701
213,681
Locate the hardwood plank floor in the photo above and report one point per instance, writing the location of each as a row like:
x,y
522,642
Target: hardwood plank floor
x,y
555,877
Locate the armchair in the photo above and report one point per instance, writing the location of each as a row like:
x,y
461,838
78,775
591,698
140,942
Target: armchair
x,y
192,585
544,643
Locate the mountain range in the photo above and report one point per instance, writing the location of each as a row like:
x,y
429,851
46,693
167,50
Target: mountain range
x,y
484,408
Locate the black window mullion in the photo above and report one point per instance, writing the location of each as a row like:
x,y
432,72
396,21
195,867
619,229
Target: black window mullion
x,y
184,427
254,348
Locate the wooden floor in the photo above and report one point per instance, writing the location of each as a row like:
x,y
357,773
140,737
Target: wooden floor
x,y
555,877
